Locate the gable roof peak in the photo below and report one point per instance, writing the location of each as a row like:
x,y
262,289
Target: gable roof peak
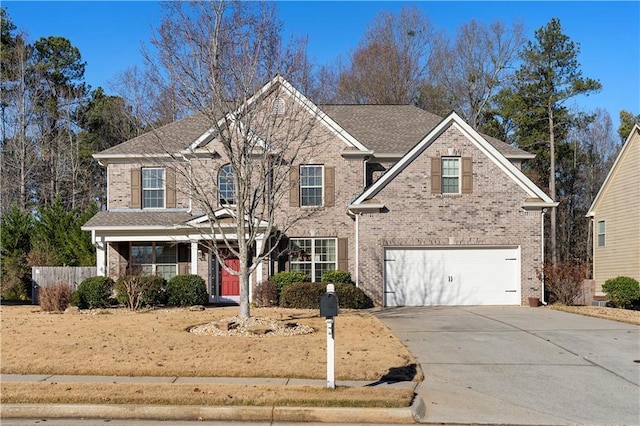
x,y
633,135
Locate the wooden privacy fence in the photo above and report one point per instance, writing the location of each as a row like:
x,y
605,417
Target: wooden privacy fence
x,y
45,276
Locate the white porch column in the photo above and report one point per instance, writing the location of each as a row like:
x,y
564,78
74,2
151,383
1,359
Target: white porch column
x,y
101,257
259,247
194,257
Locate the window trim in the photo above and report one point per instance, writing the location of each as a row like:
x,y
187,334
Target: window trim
x,y
601,233
302,187
278,106
312,262
163,189
458,176
233,185
154,261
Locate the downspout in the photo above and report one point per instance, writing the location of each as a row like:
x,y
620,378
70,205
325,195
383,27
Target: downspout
x,y
542,254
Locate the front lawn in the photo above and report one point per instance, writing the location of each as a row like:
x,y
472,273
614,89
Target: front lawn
x,y
156,343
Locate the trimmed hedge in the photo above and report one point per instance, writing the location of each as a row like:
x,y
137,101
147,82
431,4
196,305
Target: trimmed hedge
x,y
302,295
307,296
285,278
623,292
337,277
94,292
352,297
187,290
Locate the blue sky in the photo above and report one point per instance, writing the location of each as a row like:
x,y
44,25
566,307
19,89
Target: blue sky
x,y
109,34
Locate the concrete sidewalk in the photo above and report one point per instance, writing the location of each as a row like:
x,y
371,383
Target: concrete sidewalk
x,y
334,415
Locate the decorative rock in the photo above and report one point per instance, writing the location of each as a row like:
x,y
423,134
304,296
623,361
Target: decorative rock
x,y
196,308
226,325
72,310
257,330
255,327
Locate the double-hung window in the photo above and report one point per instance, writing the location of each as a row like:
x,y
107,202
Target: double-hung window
x,y
450,175
226,186
153,188
311,186
601,233
313,256
156,258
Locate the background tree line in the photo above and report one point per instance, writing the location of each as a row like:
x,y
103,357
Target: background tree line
x,y
502,84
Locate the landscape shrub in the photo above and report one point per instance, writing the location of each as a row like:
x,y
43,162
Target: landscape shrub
x,y
622,292
352,297
155,293
136,291
265,294
95,292
564,281
187,290
13,288
74,300
302,295
307,296
336,277
55,298
285,278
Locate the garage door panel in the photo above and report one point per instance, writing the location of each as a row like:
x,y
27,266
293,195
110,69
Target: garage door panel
x,y
416,282
426,277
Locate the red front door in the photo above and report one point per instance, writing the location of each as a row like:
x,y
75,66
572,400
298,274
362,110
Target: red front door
x,y
230,283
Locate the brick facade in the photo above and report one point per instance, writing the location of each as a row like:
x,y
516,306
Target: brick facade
x,y
491,216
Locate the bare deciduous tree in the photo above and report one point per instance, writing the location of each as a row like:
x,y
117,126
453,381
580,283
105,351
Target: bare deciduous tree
x,y
466,72
216,57
19,138
389,66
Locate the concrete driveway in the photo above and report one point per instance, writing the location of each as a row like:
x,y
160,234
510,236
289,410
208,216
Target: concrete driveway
x,y
517,365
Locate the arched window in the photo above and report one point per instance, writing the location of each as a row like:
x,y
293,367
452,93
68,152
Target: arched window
x,y
226,186
278,107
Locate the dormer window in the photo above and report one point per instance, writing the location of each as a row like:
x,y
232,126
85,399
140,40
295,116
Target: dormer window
x,y
278,106
226,186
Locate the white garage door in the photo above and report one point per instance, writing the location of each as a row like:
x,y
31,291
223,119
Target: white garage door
x,y
452,276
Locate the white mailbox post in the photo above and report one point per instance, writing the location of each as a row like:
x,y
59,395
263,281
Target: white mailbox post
x,y
329,309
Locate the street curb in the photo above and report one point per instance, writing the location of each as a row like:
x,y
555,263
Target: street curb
x,y
407,415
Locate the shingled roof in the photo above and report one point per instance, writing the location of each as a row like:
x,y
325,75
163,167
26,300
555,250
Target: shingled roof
x,y
383,129
170,138
395,129
139,219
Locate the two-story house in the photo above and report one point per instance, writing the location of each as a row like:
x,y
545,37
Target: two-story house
x,y
615,216
422,210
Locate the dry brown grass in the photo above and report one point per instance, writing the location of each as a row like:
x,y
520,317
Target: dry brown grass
x,y
615,314
203,394
156,343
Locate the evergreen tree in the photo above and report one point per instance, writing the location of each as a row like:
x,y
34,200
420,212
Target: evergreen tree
x,y
627,121
549,76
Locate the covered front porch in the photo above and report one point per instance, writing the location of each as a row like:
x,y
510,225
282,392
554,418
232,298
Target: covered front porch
x,y
170,244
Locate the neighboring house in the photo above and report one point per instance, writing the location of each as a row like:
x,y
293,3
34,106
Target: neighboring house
x,y
615,215
421,210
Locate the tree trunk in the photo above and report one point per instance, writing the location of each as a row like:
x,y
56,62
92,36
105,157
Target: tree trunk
x,y
244,289
552,185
